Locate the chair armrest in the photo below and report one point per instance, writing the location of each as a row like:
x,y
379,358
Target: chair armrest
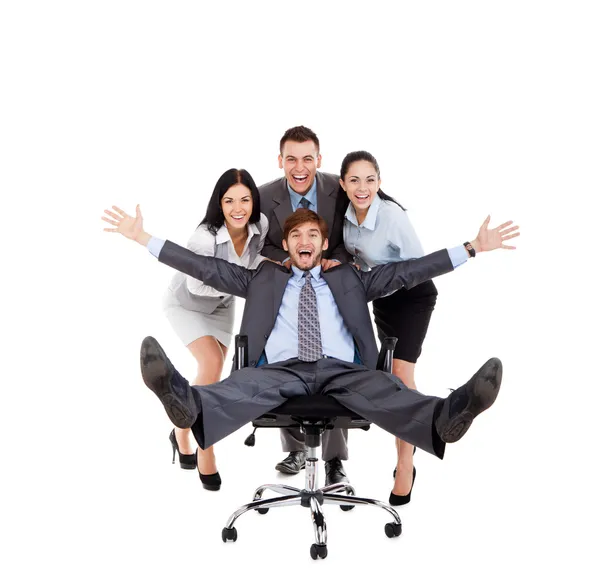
x,y
386,354
240,355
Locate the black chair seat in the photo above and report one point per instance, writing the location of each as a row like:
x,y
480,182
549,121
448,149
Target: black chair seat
x,y
311,409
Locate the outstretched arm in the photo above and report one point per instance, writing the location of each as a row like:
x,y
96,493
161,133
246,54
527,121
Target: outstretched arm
x,y
219,274
387,278
131,227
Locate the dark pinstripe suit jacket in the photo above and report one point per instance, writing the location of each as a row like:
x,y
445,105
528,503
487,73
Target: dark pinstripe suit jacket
x,y
263,290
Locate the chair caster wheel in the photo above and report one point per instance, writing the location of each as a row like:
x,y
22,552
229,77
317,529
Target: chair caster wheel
x,y
262,510
317,551
393,530
230,534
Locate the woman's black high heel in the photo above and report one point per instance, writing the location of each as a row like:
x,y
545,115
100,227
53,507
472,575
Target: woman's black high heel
x,y
400,499
186,461
210,481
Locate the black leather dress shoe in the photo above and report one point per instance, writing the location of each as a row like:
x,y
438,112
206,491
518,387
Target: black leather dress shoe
x,y
168,384
464,404
334,472
295,462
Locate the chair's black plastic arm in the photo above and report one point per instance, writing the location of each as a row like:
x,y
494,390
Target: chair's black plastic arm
x,y
240,356
386,354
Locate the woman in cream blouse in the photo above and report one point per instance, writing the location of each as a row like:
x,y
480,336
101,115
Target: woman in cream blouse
x,y
234,230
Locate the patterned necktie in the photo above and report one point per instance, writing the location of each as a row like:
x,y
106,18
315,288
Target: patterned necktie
x,y
304,203
309,330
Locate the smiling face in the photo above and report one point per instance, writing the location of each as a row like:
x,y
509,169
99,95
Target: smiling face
x,y
300,161
305,245
236,204
361,184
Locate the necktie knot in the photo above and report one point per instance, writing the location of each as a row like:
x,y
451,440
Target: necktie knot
x,y
304,203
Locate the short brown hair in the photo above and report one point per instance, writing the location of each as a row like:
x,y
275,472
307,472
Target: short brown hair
x,y
300,134
301,216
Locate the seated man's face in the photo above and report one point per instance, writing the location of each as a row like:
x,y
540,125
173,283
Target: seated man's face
x,y
305,245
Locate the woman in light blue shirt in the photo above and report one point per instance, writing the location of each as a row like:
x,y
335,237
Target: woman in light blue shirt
x,y
377,231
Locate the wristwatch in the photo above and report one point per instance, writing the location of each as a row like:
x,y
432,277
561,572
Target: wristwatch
x,y
470,249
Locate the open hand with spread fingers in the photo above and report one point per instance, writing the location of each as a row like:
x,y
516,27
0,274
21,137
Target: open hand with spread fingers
x,y
491,239
129,226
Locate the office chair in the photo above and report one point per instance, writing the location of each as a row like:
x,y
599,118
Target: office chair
x,y
313,414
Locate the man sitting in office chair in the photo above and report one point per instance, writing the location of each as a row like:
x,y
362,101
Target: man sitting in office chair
x,y
310,332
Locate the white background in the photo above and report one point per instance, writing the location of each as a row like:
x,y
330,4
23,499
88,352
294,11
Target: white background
x,y
470,107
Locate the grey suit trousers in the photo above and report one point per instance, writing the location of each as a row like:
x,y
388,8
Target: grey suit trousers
x,y
335,442
377,396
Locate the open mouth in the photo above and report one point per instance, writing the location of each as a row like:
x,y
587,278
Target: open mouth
x,y
300,179
361,197
238,218
305,255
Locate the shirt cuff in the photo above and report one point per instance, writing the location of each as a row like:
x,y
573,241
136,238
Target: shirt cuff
x,y
458,255
155,245
284,261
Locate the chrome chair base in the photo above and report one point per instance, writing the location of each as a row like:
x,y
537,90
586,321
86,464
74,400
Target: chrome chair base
x,y
311,497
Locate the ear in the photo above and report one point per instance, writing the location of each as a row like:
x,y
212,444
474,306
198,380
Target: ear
x,y
284,244
342,184
280,159
319,160
326,244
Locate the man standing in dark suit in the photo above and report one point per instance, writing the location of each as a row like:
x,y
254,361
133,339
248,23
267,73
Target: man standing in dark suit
x,y
305,187
313,331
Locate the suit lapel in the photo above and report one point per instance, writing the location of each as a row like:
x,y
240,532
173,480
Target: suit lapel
x,y
325,201
336,284
283,204
280,280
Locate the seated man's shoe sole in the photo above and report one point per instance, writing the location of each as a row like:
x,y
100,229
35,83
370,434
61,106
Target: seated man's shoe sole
x,y
478,394
158,373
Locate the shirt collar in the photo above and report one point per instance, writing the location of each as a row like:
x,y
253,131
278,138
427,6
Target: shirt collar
x,y
370,221
311,196
223,234
298,274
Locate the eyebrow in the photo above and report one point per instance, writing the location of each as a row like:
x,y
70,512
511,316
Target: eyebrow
x,y
230,198
371,176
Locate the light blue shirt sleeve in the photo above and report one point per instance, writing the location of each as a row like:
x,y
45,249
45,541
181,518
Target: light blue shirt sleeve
x,y
458,255
155,245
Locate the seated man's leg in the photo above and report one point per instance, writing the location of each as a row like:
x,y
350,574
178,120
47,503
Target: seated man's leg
x,y
427,422
217,410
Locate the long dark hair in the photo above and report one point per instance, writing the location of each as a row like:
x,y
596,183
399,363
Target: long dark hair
x,y
364,156
214,218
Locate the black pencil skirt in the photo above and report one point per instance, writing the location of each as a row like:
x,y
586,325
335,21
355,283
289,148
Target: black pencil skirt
x,y
405,314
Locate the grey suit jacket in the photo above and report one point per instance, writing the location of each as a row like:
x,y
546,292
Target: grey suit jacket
x,y
276,205
263,290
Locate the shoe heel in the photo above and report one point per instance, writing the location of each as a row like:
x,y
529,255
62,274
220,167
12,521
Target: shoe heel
x,y
186,461
399,499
